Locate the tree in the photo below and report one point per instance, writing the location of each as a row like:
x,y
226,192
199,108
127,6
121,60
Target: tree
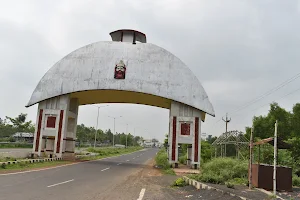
x,y
264,125
211,140
20,123
295,120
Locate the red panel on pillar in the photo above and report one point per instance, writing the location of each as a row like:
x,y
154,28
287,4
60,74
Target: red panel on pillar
x,y
38,134
196,143
51,122
174,139
185,128
59,131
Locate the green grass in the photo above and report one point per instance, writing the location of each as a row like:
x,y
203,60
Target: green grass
x,y
168,171
104,152
25,166
5,159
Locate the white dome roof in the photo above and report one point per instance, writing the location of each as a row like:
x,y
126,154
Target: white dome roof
x,y
149,69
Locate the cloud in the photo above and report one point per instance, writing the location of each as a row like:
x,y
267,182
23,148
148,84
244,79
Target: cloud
x,y
238,49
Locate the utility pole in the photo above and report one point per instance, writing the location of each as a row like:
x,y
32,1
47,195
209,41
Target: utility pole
x,y
275,159
227,120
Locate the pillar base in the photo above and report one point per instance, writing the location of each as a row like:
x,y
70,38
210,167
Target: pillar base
x,y
68,156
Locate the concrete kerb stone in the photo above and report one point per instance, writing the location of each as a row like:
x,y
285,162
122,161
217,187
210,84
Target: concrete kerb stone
x,y
198,185
29,161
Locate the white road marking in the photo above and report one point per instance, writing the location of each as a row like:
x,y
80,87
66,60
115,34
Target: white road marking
x,y
138,156
127,160
119,163
104,169
133,158
60,183
37,170
142,193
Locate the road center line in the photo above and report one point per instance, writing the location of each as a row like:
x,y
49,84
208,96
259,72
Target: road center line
x,y
142,193
104,169
127,160
119,163
60,183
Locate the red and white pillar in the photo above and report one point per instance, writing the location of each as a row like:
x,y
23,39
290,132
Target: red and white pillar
x,y
185,123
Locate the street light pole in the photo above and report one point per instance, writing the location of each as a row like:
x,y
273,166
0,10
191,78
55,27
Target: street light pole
x,y
114,128
134,136
97,123
114,132
126,134
96,128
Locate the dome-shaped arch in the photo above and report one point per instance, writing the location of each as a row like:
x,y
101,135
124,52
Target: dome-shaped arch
x,y
150,70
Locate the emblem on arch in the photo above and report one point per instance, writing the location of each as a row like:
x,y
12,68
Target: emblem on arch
x,y
120,70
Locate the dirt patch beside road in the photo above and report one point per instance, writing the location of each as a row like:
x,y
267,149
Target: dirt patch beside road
x,y
158,187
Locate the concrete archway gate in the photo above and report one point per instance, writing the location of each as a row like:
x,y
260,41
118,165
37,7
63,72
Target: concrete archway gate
x,y
125,70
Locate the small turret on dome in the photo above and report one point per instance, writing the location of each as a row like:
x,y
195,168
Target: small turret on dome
x,y
128,35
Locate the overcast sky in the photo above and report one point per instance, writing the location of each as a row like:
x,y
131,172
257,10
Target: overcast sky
x,y
238,49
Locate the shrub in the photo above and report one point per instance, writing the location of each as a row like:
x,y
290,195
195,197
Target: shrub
x,y
3,166
161,159
229,184
221,170
182,159
180,182
296,180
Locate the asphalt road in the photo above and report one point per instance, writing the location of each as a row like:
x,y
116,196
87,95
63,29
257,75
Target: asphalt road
x,y
86,180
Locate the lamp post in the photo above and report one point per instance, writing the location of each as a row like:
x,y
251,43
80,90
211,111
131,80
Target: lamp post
x,y
126,135
114,128
97,122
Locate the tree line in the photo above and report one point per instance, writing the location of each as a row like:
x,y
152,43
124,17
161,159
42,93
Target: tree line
x,y
84,134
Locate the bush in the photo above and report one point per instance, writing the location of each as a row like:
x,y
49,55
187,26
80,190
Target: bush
x,y
182,159
3,166
296,180
180,182
161,159
221,170
229,184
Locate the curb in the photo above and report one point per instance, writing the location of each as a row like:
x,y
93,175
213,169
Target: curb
x,y
269,193
30,161
198,185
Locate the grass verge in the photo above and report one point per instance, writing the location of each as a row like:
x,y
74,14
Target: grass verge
x,y
104,152
25,166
